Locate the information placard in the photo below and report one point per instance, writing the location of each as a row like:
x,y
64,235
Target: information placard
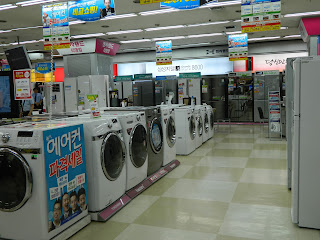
x,y
22,84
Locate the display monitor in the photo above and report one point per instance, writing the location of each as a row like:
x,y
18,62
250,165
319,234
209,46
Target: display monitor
x,y
9,108
18,58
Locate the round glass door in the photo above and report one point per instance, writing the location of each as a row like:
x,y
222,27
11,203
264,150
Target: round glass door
x,y
211,120
113,155
138,146
200,126
192,127
206,123
156,135
171,132
15,180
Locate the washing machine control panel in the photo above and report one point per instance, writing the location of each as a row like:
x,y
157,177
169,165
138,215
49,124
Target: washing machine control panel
x,y
27,138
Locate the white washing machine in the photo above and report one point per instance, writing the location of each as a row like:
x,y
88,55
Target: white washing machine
x,y
106,165
43,187
135,138
169,133
206,127
185,130
211,120
199,125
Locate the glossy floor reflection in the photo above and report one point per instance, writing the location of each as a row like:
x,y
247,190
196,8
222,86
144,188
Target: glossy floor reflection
x,y
231,188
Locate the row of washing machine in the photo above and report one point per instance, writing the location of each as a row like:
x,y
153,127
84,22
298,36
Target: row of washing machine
x,y
50,171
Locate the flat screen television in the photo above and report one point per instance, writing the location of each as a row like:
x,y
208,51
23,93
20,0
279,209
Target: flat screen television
x,y
18,58
9,108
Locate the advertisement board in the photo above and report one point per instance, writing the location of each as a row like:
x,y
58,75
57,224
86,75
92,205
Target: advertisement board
x,y
65,165
56,31
43,68
91,10
164,53
238,47
185,4
22,84
260,15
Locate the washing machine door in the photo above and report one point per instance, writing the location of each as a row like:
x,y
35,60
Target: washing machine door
x,y
138,146
211,120
15,180
200,126
171,132
192,127
206,123
113,156
156,135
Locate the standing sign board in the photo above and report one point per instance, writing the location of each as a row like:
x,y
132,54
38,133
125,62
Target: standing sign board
x,y
65,165
238,47
274,112
22,84
56,29
260,15
164,53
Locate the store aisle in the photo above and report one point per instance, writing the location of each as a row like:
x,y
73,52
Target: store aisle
x,y
232,188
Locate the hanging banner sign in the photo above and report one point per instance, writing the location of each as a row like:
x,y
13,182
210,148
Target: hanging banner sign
x,y
150,1
143,76
164,53
260,15
238,47
65,165
22,84
123,78
91,10
56,29
43,68
185,4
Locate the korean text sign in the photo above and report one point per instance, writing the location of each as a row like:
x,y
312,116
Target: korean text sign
x,y
91,10
22,84
260,15
238,47
65,165
164,52
185,4
55,20
43,68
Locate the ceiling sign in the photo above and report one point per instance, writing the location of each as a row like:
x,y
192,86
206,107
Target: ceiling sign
x,y
150,1
238,47
164,53
260,15
185,4
91,10
55,20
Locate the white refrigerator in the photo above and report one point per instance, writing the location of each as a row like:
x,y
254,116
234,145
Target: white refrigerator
x,y
306,144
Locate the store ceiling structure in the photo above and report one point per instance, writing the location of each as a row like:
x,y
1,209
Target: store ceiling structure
x,y
16,23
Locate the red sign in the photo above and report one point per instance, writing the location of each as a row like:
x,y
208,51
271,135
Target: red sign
x,y
105,47
22,84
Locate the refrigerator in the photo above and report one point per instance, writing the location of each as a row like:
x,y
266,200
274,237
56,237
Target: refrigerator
x,y
143,92
163,86
306,151
124,89
194,85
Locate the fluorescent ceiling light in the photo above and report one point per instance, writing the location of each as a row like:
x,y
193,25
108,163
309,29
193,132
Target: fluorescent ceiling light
x,y
164,28
293,36
236,32
302,14
237,20
220,4
284,28
168,38
205,35
7,6
167,10
120,16
5,31
88,35
76,22
25,28
31,41
208,23
124,32
34,2
264,38
136,41
192,45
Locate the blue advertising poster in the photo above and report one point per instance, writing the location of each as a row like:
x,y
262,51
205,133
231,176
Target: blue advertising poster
x,y
65,165
43,68
164,53
238,47
6,67
185,4
91,10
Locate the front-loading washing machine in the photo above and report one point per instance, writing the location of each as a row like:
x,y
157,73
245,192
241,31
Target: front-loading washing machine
x,y
206,124
210,113
199,125
106,165
135,138
169,133
154,135
43,181
185,130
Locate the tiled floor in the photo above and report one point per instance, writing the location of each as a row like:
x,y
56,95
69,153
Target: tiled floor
x,y
232,188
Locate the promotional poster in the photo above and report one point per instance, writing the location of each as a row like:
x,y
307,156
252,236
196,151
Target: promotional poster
x,y
22,84
65,165
164,53
91,10
238,47
185,4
